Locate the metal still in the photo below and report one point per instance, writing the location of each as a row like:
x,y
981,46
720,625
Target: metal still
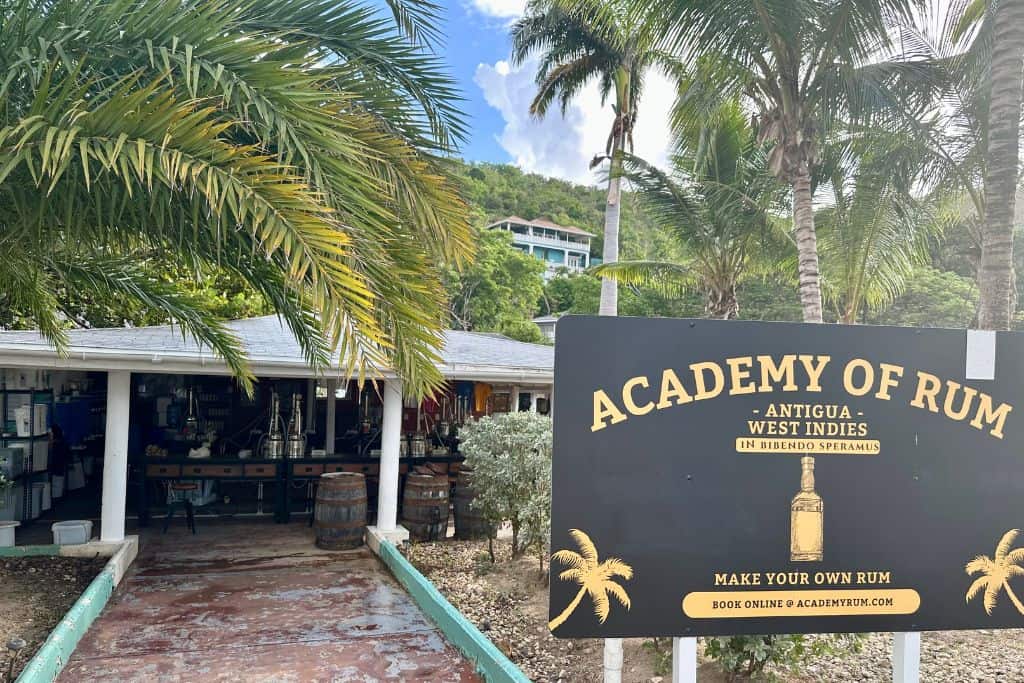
x,y
273,440
296,444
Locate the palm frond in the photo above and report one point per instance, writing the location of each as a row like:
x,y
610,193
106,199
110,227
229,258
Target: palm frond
x,y
601,605
586,546
613,566
574,574
976,587
1005,543
294,144
981,563
618,592
569,558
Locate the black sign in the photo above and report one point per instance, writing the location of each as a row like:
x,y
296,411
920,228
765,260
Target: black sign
x,y
726,477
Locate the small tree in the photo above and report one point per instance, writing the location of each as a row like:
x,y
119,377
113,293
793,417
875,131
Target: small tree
x,y
510,457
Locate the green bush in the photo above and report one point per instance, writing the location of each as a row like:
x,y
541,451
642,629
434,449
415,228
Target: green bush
x,y
747,657
510,457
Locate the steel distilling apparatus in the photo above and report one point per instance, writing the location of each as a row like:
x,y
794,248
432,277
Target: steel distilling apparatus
x,y
296,445
273,440
192,421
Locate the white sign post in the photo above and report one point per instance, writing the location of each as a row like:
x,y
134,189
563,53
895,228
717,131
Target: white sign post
x,y
906,657
684,660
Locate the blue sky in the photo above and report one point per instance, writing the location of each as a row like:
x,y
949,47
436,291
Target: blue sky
x,y
474,38
477,49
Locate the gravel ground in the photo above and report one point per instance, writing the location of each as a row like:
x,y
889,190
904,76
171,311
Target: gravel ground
x,y
508,602
35,593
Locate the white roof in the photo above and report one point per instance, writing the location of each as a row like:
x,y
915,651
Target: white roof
x,y
542,223
271,348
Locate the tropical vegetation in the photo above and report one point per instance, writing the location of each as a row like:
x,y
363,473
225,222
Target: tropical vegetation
x,y
717,201
292,146
509,458
607,41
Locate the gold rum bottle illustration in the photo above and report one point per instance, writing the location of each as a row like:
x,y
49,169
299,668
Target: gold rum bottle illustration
x,y
806,541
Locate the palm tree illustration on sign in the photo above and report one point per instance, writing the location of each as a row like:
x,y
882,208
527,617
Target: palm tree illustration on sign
x,y
594,578
996,572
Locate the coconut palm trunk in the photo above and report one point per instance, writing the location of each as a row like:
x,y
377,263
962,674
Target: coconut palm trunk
x,y
806,245
1013,597
721,304
609,304
609,289
995,281
560,619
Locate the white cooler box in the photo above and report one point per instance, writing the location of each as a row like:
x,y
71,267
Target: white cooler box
x,y
72,532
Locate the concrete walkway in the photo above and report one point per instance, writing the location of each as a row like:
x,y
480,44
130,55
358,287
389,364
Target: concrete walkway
x,y
259,602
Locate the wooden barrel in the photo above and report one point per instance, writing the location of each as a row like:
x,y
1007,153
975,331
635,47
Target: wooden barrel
x,y
469,522
425,507
340,513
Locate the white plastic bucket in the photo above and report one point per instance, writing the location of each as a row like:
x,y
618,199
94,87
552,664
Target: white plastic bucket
x,y
47,496
57,486
72,532
7,534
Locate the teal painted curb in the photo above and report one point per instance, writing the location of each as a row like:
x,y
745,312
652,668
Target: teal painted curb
x,y
55,652
489,660
30,550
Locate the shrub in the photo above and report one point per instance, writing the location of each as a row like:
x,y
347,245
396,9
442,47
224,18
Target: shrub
x,y
747,657
510,455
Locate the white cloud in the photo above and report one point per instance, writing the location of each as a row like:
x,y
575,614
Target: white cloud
x,y
502,9
563,146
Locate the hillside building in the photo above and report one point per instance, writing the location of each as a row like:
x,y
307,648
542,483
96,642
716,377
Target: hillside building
x,y
559,246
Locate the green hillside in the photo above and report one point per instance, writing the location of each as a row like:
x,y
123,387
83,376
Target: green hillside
x,y
942,294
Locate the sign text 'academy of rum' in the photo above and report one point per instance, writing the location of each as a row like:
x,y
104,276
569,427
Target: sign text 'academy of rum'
x,y
806,539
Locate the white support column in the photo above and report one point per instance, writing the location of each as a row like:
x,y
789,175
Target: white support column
x,y
906,657
684,660
534,394
514,408
332,386
391,436
613,660
115,456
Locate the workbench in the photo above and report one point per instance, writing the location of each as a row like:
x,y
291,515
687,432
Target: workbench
x,y
282,473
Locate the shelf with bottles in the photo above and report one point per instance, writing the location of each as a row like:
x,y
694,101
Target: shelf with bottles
x,y
26,415
26,412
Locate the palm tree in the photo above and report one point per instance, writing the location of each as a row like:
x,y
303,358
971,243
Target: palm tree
x,y
716,203
578,47
1002,158
873,231
292,145
803,67
996,573
593,577
951,122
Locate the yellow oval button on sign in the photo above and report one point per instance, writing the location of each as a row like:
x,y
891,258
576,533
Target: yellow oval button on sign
x,y
804,603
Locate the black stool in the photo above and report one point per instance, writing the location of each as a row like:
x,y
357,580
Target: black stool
x,y
190,511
